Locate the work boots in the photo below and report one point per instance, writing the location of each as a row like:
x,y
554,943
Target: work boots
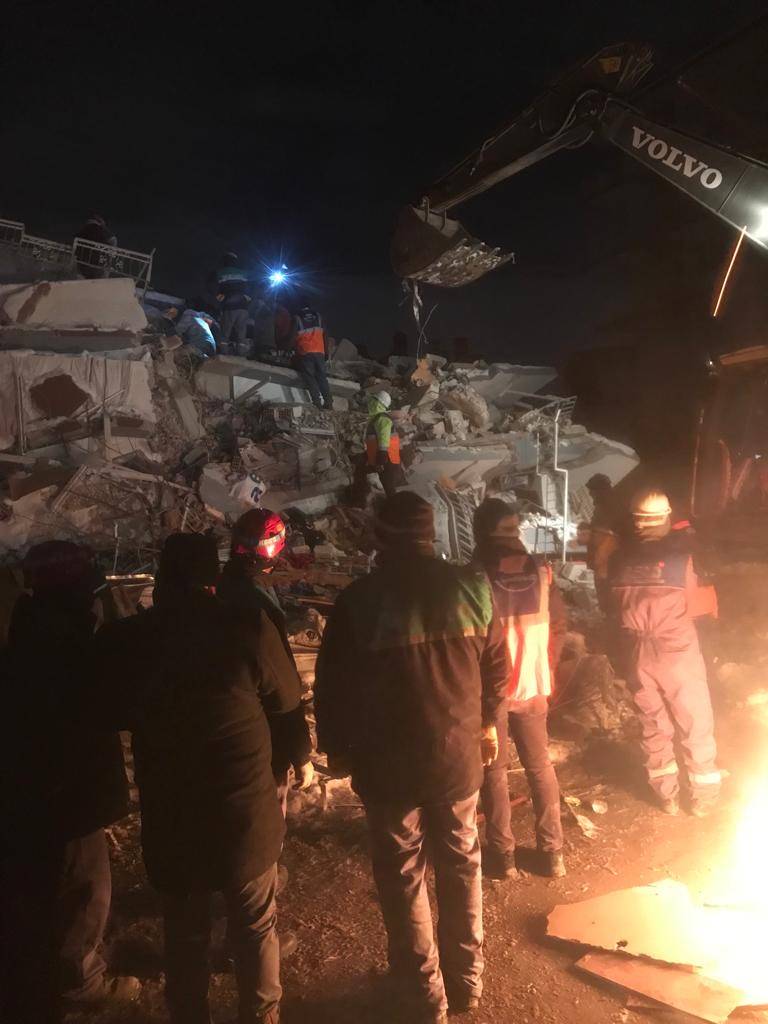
x,y
670,805
554,863
499,865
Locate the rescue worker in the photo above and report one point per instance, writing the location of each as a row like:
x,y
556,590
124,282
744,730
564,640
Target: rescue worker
x,y
231,294
382,449
62,782
195,682
603,536
533,616
258,537
650,574
309,341
96,265
410,678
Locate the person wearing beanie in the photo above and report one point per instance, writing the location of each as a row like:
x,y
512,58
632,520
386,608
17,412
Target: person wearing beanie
x,y
196,683
258,537
533,617
409,682
62,783
652,576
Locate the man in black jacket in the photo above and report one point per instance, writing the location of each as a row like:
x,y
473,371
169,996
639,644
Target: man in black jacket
x,y
410,679
194,683
62,783
258,537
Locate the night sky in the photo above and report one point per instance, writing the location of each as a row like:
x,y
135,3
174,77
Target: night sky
x,y
297,131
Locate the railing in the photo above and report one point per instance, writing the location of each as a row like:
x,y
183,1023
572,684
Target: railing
x,y
91,259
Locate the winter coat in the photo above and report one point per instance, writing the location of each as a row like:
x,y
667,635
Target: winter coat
x,y
413,663
194,681
291,743
60,777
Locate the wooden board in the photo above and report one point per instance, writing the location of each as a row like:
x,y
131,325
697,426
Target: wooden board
x,y
673,986
659,921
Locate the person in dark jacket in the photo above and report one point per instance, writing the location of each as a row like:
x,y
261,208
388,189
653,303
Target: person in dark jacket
x,y
410,678
61,784
258,537
195,684
94,230
234,302
533,616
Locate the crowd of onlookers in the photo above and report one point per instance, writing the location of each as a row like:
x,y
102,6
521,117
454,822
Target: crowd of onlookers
x,y
426,671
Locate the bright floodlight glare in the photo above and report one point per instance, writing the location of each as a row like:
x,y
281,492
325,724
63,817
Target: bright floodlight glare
x,y
760,230
277,277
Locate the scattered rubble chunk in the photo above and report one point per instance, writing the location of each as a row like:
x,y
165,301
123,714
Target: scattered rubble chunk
x,y
104,304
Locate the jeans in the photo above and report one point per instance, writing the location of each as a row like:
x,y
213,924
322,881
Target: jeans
x,y
527,726
55,904
399,842
311,368
251,914
234,324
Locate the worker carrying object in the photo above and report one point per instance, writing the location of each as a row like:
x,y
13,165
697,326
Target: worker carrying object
x,y
650,576
310,356
382,448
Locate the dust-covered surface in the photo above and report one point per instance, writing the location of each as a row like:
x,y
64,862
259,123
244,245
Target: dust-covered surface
x,y
337,974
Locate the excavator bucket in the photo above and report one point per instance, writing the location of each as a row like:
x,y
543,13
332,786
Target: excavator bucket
x,y
433,248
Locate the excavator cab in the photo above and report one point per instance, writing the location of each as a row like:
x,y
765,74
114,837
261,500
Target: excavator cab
x,y
730,478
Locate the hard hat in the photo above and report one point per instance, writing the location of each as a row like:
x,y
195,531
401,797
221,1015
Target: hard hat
x,y
651,505
384,397
259,532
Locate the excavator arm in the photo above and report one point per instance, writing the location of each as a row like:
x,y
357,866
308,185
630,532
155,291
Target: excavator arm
x,y
589,101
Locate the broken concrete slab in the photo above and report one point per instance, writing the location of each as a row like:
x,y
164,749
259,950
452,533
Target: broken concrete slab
x,y
454,465
230,378
186,408
671,986
42,475
628,921
468,401
101,303
67,341
58,396
507,378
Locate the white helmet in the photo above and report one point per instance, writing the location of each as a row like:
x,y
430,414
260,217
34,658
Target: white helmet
x,y
384,397
651,506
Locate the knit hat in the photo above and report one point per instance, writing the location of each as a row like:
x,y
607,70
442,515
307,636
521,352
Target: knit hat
x,y
404,519
60,565
189,560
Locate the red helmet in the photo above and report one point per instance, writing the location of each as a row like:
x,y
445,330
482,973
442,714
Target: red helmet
x,y
259,532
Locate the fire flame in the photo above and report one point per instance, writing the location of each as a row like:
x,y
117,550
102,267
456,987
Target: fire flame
x,y
738,922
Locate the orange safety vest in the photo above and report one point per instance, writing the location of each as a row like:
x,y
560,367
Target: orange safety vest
x,y
372,444
311,339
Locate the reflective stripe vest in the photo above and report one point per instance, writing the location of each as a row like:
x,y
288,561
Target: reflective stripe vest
x,y
379,429
310,336
521,593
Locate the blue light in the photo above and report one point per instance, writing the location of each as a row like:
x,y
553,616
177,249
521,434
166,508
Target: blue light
x,y
278,276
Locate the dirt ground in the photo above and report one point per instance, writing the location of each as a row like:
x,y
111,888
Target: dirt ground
x,y
336,973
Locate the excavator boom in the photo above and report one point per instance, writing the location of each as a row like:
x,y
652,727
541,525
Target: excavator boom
x,y
590,100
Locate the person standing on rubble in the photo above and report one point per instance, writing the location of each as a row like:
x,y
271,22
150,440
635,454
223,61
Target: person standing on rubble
x,y
234,302
310,344
651,576
62,783
534,621
258,537
382,449
194,683
95,230
410,678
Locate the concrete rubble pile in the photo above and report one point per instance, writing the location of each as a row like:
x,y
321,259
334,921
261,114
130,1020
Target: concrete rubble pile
x,y
110,437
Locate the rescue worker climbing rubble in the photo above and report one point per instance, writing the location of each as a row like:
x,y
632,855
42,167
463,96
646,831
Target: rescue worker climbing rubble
x,y
382,448
650,575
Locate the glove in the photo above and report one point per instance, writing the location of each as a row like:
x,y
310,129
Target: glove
x,y
489,745
382,458
304,775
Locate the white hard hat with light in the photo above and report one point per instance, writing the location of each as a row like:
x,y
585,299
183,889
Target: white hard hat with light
x,y
384,397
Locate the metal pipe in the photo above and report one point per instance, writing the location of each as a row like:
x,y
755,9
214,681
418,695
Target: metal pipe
x,y
564,474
